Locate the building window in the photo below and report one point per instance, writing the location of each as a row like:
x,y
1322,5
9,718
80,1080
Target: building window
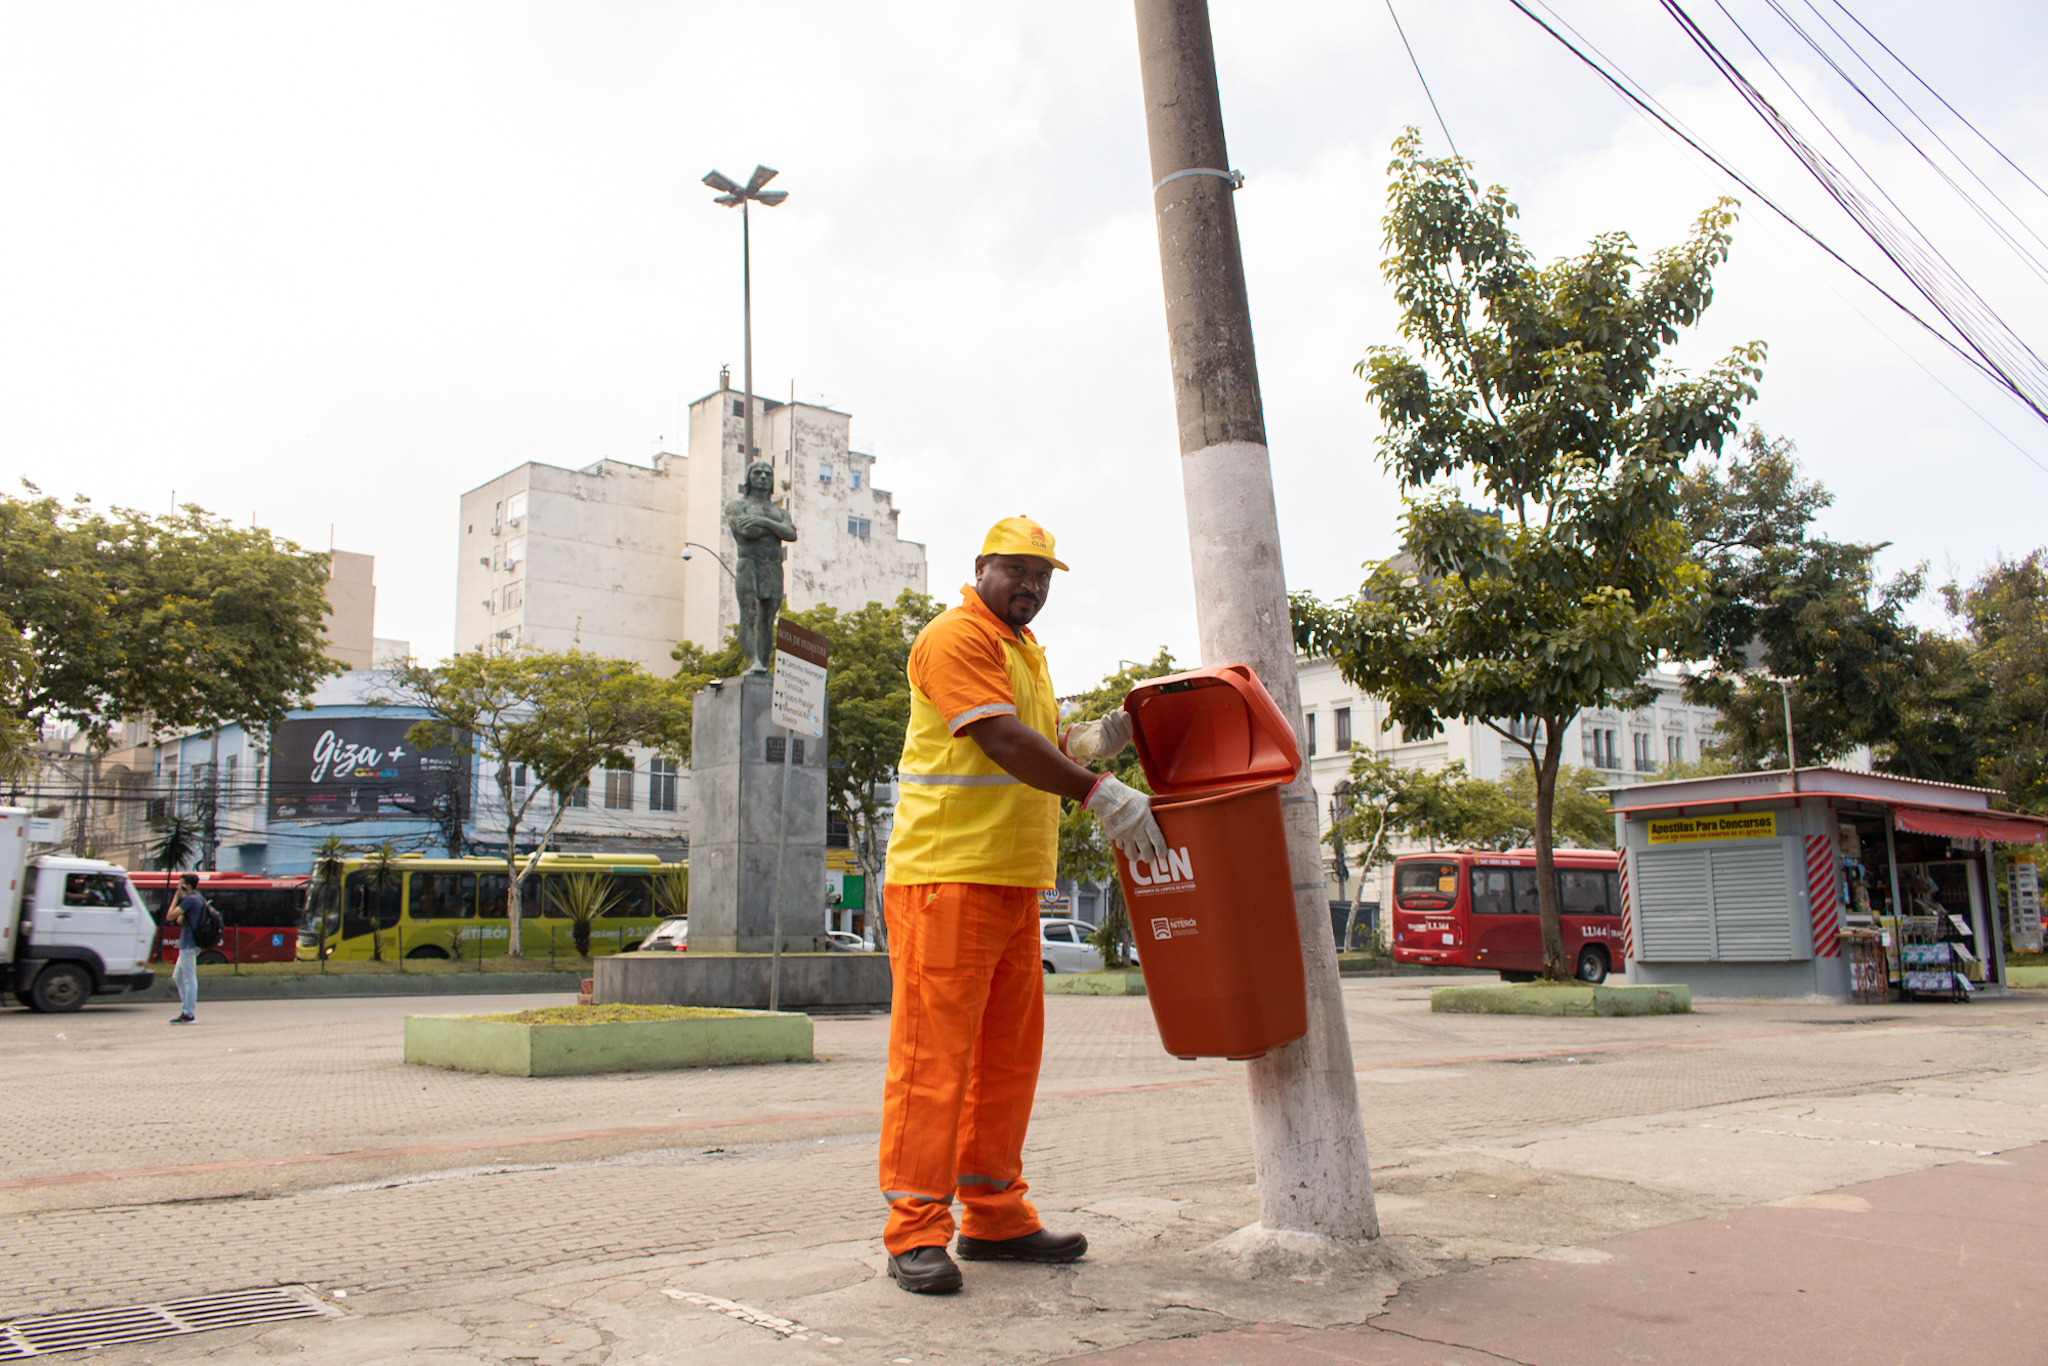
x,y
738,409
1674,749
579,796
1601,748
1308,730
515,595
1645,763
853,479
1343,729
229,768
618,788
857,526
661,785
518,775
824,473
515,509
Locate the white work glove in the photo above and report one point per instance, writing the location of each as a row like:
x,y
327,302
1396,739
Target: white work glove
x,y
1090,742
1126,816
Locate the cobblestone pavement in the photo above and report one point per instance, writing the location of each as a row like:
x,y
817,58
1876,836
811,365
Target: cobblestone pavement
x,y
286,1142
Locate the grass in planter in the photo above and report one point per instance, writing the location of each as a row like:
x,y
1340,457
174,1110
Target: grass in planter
x,y
611,1014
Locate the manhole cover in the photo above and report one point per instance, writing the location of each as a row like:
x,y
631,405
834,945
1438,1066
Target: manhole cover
x,y
21,1339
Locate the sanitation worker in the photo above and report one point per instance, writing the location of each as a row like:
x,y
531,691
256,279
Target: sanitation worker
x,y
984,768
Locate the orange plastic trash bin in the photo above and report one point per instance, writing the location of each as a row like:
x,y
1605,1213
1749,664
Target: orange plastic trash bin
x,y
1214,921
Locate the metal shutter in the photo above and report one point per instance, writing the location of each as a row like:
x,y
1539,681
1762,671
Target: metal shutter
x,y
1752,904
1673,905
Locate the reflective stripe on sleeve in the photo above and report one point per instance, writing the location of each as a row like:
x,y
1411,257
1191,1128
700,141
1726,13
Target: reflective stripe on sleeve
x,y
973,714
956,779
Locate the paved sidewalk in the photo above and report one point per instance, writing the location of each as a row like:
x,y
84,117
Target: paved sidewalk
x,y
1551,1190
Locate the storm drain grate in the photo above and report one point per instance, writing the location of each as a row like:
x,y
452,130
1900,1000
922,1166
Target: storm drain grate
x,y
74,1332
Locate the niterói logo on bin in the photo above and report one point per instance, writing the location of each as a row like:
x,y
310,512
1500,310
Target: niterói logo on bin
x,y
1174,873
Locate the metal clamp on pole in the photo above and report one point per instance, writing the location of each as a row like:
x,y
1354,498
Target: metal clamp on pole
x,y
1236,178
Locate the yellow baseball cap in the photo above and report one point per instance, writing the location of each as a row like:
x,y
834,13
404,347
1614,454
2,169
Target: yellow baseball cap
x,y
1020,536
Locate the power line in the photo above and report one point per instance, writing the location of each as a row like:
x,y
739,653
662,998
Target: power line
x,y
1427,92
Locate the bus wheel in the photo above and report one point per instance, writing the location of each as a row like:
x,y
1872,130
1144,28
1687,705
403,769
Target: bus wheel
x,y
428,951
60,986
1592,965
211,957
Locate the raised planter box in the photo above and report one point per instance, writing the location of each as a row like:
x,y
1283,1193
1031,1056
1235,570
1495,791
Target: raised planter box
x,y
1129,982
473,1043
1663,999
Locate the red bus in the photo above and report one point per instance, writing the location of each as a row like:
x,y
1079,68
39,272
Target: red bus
x,y
1476,909
260,916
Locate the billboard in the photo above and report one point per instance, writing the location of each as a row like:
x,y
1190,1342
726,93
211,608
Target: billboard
x,y
355,768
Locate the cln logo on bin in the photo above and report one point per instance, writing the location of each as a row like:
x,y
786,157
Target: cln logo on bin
x,y
1175,873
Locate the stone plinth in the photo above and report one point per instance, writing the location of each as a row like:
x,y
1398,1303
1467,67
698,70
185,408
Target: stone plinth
x,y
736,819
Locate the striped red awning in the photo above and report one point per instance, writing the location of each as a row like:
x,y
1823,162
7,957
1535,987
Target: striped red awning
x,y
1996,826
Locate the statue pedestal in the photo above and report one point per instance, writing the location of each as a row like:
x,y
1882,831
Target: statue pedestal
x,y
737,816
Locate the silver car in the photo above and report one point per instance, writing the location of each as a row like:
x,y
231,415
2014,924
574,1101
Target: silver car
x,y
1063,946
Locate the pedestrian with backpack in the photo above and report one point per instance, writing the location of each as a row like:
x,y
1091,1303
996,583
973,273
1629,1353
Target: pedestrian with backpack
x,y
187,915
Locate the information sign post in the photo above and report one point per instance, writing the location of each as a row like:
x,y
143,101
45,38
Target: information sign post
x,y
797,704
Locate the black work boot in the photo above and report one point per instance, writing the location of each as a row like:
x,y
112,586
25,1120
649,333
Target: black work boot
x,y
1040,1246
925,1271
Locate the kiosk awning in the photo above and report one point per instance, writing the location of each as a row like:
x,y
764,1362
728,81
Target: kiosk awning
x,y
1970,825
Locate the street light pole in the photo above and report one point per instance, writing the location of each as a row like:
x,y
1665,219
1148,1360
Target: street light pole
x,y
733,194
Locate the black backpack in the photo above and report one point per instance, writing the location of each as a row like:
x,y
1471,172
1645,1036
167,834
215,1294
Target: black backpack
x,y
206,927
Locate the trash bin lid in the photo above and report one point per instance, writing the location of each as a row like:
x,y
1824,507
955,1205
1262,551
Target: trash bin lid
x,y
1210,727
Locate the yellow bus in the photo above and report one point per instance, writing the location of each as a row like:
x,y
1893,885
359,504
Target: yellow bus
x,y
572,905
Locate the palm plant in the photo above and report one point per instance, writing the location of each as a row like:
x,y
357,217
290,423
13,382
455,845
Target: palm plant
x,y
381,872
177,842
323,898
672,890
584,897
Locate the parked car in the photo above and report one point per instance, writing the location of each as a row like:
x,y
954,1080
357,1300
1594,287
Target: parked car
x,y
1063,946
850,943
673,933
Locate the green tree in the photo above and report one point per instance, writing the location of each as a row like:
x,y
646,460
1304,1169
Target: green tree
x,y
184,618
1787,609
560,714
867,711
1981,713
176,844
1085,853
1548,570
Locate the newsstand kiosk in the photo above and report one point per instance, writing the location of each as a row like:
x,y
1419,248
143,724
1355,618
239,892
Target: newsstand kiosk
x,y
1214,921
1818,882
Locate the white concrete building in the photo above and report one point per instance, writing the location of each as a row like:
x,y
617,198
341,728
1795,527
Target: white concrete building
x,y
1626,747
592,558
846,554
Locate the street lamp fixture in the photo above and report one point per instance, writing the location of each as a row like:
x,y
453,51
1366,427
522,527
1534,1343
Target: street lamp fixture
x,y
731,195
713,554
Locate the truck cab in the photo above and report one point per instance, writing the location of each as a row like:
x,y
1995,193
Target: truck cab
x,y
70,928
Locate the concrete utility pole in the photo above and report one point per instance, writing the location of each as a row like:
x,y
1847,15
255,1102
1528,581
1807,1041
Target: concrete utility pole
x,y
1308,1138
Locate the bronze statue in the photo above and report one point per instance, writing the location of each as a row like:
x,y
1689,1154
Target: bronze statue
x,y
758,529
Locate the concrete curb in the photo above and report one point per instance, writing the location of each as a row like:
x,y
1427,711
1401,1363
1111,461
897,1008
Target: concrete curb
x,y
313,985
472,1043
1664,999
1103,983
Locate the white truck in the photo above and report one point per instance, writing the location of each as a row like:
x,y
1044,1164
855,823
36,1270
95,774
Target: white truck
x,y
70,928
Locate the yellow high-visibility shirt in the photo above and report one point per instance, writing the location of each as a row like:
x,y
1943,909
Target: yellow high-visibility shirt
x,y
959,816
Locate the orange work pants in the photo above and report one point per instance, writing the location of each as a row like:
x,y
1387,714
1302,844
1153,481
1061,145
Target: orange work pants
x,y
966,1028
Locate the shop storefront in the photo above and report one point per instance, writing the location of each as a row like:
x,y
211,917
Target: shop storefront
x,y
1819,882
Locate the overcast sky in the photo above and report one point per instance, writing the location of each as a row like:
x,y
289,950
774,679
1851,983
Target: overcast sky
x,y
327,266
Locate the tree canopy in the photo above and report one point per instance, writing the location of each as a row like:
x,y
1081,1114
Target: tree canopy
x,y
1786,604
1539,438
182,618
560,714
